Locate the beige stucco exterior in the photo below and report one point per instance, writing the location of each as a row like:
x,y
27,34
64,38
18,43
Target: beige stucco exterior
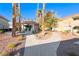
x,y
67,23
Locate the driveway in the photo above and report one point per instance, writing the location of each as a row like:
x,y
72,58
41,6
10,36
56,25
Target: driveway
x,y
48,47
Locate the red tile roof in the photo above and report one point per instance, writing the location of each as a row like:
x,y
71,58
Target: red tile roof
x,y
29,22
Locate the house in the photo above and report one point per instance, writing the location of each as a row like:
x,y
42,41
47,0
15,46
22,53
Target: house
x,y
33,25
29,26
68,23
3,23
65,24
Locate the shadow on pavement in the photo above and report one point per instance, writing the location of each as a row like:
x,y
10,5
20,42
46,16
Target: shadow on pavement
x,y
69,47
47,49
64,48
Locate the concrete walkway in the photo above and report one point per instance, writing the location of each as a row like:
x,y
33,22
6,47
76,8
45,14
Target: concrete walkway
x,y
48,47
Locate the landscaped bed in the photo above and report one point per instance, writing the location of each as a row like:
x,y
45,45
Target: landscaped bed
x,y
44,36
66,36
11,45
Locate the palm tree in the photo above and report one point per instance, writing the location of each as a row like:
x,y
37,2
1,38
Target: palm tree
x,y
39,18
37,13
14,19
43,14
19,17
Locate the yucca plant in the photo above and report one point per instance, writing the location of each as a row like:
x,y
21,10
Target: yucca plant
x,y
4,53
11,45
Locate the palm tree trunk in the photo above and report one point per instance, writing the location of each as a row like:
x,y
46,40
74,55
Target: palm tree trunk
x,y
19,24
43,13
13,20
37,13
19,17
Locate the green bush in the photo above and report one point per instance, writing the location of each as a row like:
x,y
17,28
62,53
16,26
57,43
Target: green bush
x,y
67,31
2,30
33,31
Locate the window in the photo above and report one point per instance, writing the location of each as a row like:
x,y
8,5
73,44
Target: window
x,y
76,27
76,18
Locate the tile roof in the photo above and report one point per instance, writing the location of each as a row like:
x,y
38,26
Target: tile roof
x,y
3,18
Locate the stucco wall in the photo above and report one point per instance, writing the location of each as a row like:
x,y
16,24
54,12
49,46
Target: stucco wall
x,y
3,24
67,24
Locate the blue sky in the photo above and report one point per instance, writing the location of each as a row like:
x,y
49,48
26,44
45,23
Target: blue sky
x,y
28,10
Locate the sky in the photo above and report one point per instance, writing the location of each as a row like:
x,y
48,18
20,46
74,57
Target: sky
x,y
28,10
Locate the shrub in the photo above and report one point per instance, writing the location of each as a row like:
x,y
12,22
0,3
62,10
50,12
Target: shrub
x,y
4,53
0,53
67,31
33,31
11,45
2,30
20,37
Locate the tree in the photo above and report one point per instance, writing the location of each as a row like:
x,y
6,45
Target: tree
x,y
39,18
14,20
50,20
43,18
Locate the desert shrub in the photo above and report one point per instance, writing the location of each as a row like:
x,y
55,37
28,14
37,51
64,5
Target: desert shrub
x,y
67,31
11,45
4,53
0,53
20,37
33,31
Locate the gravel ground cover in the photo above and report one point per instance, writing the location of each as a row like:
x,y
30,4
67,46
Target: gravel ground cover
x,y
10,45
